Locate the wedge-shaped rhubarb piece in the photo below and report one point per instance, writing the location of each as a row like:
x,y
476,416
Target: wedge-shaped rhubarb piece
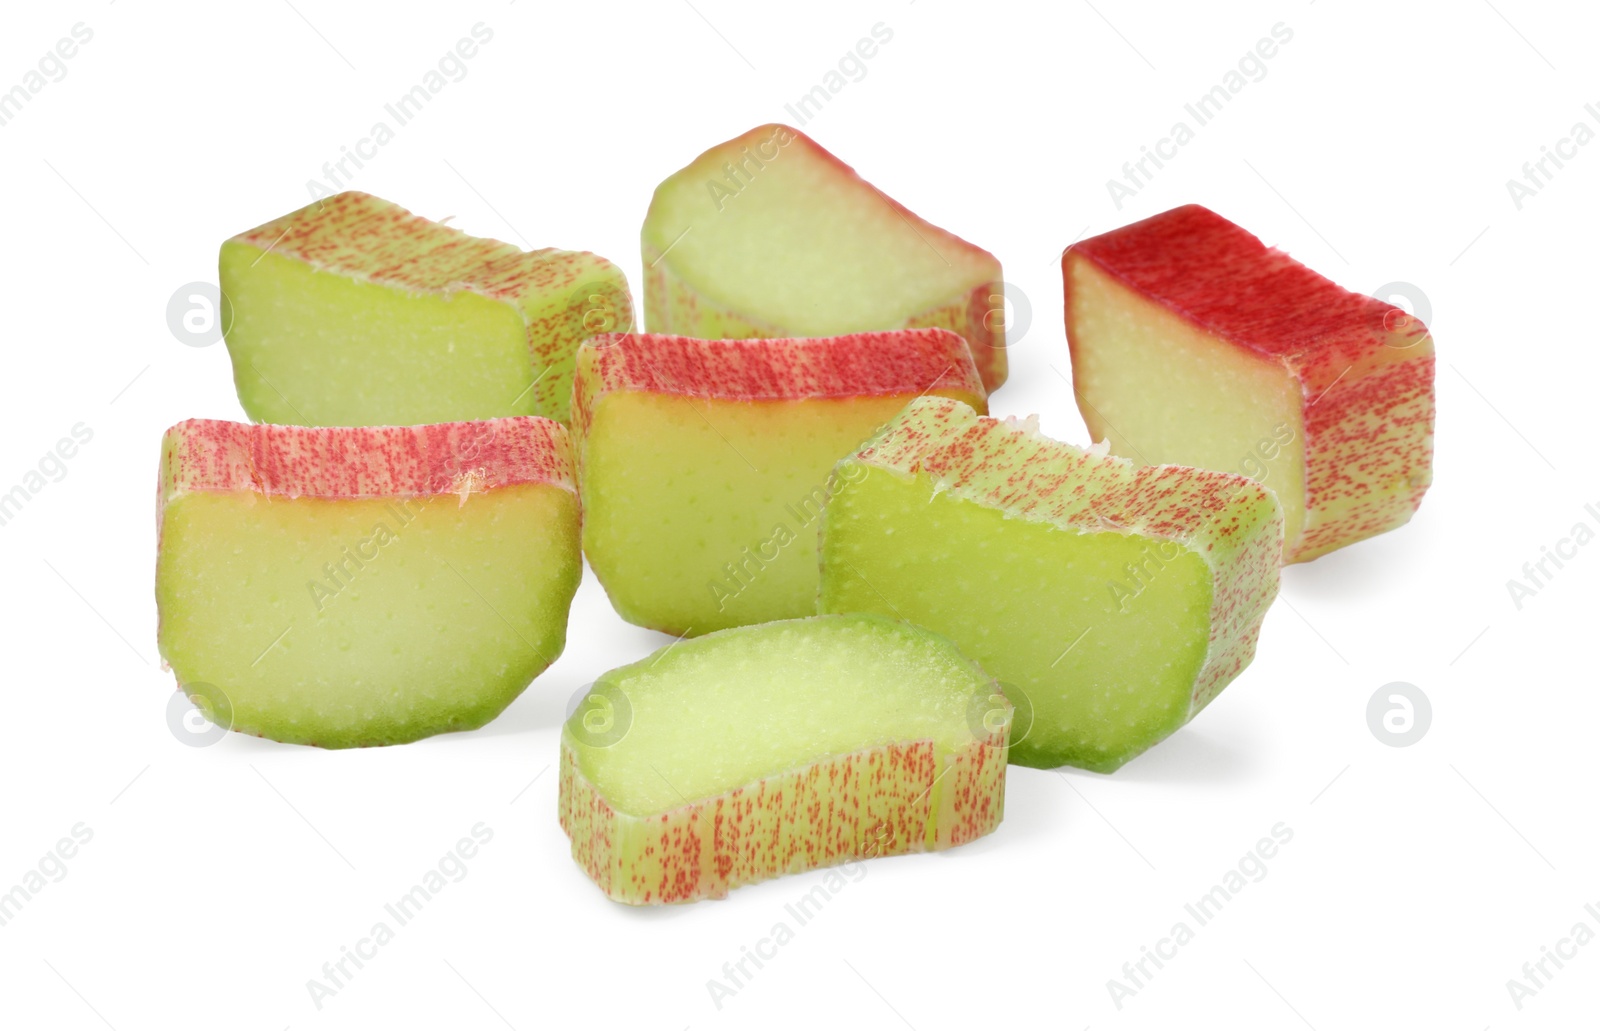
x,y
1194,343
778,748
355,312
769,235
705,463
364,586
1116,600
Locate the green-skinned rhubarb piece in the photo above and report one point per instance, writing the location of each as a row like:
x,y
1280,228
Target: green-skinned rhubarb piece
x,y
706,463
366,585
354,312
1113,601
770,235
777,748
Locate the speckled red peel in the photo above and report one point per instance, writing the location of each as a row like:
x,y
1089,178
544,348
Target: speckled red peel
x,y
352,462
353,311
778,748
857,365
770,235
1194,343
364,585
705,463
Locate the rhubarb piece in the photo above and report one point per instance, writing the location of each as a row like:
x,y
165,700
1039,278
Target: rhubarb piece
x,y
1194,343
779,748
364,586
769,235
354,312
705,463
1117,600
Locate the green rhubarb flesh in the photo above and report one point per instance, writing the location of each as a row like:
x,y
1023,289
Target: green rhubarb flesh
x,y
1041,589
775,748
315,349
769,235
361,620
705,464
703,515
457,612
353,312
1111,604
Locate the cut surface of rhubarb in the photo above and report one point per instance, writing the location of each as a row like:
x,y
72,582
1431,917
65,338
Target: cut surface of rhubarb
x,y
704,464
772,749
769,235
354,312
1196,344
364,586
1113,602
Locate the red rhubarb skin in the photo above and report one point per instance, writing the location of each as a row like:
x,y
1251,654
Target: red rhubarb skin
x,y
363,461
978,315
365,237
359,235
887,800
903,361
1365,368
1232,522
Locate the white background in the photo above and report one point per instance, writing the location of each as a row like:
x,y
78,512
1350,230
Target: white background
x,y
220,879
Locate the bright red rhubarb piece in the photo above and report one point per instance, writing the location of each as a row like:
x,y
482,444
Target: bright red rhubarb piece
x,y
1194,343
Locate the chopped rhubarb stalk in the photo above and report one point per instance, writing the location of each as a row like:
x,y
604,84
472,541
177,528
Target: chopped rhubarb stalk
x,y
355,312
705,463
1194,343
769,235
367,585
1113,602
773,749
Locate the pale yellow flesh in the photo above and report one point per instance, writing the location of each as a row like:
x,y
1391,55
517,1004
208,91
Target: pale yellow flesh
x,y
1165,392
706,717
435,617
1098,637
318,348
803,247
703,514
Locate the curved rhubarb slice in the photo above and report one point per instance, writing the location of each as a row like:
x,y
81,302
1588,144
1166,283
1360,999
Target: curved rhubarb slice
x,y
354,312
1113,601
364,586
705,463
778,748
1195,343
769,235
